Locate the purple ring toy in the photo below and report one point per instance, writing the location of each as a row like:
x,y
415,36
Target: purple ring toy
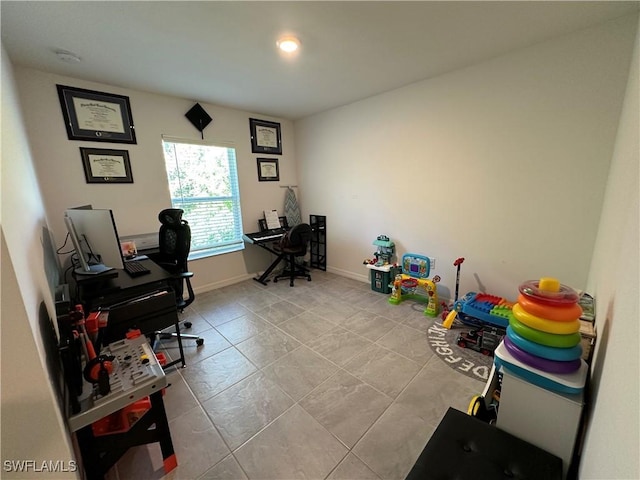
x,y
549,366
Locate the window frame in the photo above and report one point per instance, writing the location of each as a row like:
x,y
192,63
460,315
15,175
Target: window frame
x,y
237,243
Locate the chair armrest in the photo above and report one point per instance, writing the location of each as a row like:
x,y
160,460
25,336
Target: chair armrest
x,y
168,266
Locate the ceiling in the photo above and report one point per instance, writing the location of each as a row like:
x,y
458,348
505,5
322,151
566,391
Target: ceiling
x,y
225,53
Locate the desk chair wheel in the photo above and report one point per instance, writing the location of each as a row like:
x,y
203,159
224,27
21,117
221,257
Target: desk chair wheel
x,y
200,342
187,324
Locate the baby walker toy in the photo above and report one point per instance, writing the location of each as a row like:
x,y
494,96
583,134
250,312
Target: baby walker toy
x,y
413,279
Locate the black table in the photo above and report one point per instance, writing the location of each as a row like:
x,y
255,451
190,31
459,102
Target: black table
x,y
106,289
466,448
134,298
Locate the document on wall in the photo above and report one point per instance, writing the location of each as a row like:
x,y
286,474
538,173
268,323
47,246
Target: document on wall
x,y
273,221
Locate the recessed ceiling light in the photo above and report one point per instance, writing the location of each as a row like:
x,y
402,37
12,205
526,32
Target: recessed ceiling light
x,y
67,57
288,44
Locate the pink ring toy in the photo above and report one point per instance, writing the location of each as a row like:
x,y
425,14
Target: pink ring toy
x,y
559,314
565,296
549,366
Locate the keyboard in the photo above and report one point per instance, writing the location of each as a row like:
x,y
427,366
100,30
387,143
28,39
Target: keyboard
x,y
267,235
135,269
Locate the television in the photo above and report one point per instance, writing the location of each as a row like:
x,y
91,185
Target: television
x,y
95,239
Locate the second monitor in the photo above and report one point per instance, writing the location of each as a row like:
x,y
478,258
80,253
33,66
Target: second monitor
x,y
97,235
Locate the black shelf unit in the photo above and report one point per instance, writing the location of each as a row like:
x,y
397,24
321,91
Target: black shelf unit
x,y
318,241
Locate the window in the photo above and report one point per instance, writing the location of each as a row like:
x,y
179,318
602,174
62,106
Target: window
x,y
203,181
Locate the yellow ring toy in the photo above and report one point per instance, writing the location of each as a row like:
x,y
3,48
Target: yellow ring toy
x,y
548,326
474,405
547,339
559,314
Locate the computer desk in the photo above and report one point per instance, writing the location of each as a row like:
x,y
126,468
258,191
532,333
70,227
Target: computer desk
x,y
108,292
106,289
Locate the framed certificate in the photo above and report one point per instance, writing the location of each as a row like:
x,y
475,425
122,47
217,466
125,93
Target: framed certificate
x,y
106,166
268,170
96,116
265,137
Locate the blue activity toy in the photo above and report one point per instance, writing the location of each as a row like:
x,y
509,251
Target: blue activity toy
x,y
413,283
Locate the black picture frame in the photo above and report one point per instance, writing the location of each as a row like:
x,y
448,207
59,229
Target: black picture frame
x,y
265,137
96,116
268,170
103,165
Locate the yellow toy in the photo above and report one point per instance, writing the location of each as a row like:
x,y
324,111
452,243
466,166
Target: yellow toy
x,y
413,281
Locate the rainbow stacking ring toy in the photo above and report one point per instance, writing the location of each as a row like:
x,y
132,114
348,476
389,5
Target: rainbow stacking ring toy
x,y
543,343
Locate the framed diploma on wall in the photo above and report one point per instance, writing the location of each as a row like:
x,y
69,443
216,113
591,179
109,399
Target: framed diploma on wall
x,y
268,170
102,165
96,116
265,137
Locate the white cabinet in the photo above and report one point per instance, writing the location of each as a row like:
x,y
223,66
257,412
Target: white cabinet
x,y
547,419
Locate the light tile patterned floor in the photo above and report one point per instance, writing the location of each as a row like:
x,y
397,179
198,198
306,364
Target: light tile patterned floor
x,y
322,380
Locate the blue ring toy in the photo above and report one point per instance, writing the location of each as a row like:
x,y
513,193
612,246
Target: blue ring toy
x,y
550,353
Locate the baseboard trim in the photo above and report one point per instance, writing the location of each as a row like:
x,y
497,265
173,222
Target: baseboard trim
x,y
222,283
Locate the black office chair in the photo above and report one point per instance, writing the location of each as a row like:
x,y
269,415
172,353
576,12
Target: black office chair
x,y
174,242
294,245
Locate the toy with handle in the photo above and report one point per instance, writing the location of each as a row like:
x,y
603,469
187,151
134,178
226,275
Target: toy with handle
x,y
450,316
457,263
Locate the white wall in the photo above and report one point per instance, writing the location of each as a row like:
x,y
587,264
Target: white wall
x,y
503,163
448,167
32,426
136,206
613,439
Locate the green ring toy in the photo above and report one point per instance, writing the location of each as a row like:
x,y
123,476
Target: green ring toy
x,y
543,338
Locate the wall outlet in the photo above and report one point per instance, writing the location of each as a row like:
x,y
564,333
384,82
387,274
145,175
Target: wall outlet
x,y
432,263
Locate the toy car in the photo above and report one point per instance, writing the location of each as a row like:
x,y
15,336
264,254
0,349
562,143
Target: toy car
x,y
484,339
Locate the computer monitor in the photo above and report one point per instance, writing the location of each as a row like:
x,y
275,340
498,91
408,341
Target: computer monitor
x,y
83,257
97,236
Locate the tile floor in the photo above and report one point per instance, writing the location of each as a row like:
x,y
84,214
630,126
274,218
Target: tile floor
x,y
322,380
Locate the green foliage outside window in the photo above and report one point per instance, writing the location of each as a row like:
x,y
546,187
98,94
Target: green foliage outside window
x,y
203,181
